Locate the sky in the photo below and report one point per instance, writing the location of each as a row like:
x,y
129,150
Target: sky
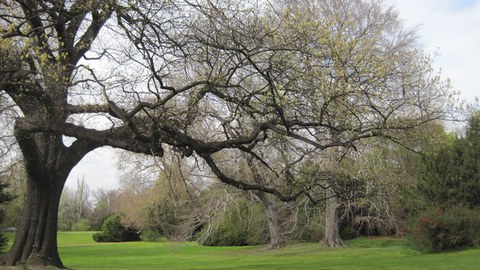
x,y
98,168
449,30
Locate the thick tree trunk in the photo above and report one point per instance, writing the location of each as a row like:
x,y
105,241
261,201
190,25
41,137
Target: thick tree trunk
x,y
48,163
276,235
36,239
332,236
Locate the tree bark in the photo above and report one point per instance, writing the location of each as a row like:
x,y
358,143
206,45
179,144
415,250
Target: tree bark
x,y
36,239
332,236
48,163
275,230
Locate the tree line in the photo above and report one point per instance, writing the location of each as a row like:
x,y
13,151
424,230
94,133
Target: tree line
x,y
382,189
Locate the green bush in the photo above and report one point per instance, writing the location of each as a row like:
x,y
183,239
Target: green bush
x,y
440,229
114,231
228,236
99,237
349,232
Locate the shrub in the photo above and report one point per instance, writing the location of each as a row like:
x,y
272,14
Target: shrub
x,y
228,236
349,232
114,231
440,229
99,237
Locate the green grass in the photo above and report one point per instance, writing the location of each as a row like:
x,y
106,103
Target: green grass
x,y
64,238
75,238
78,252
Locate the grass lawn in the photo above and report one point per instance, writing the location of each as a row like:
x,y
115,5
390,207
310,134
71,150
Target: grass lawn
x,y
79,251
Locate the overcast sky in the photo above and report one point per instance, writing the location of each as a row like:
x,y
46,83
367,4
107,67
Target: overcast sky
x,y
449,28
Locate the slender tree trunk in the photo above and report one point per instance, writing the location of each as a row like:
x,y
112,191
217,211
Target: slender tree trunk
x,y
332,236
276,235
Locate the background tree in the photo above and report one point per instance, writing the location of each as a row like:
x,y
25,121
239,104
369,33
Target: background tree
x,y
165,191
333,186
243,221
4,198
446,215
15,178
104,200
187,74
451,175
373,188
75,207
232,217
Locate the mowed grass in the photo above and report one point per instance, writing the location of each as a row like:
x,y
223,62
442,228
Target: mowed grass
x,y
79,251
75,238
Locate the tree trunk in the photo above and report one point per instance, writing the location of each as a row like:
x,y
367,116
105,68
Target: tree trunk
x,y
332,236
274,228
48,163
36,239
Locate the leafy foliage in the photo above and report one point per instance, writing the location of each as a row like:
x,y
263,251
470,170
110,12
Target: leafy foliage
x,y
452,175
349,232
4,198
114,231
449,193
440,229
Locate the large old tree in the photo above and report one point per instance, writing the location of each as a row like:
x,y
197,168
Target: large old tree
x,y
205,77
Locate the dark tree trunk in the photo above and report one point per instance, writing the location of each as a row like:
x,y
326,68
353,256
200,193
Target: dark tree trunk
x,y
332,236
48,163
36,238
276,235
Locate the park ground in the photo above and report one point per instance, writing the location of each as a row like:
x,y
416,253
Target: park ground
x,y
79,251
